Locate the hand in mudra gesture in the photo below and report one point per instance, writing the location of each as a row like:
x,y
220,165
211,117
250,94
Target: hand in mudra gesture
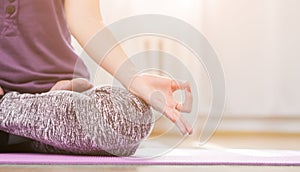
x,y
158,92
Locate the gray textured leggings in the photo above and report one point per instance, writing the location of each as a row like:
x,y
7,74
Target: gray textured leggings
x,y
100,121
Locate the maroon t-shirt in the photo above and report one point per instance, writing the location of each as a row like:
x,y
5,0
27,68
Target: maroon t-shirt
x,y
35,46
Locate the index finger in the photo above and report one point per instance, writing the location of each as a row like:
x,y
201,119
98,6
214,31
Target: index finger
x,y
186,106
180,85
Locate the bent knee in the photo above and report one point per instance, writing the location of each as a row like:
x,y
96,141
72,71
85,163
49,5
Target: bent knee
x,y
128,111
129,118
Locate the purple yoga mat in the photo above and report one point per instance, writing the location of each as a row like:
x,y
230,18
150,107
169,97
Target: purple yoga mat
x,y
175,157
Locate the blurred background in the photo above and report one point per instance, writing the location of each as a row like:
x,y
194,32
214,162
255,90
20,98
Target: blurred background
x,y
258,44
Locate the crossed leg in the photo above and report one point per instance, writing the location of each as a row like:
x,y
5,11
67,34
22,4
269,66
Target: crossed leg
x,y
100,121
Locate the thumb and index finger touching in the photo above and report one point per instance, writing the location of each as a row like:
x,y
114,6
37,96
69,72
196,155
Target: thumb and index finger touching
x,y
173,112
186,105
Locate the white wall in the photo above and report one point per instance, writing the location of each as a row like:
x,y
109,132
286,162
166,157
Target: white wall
x,y
258,44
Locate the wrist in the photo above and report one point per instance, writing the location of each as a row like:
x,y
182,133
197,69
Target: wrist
x,y
126,74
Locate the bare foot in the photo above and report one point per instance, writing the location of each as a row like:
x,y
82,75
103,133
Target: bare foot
x,y
77,85
1,91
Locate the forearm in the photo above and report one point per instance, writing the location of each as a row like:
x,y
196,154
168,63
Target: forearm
x,y
85,26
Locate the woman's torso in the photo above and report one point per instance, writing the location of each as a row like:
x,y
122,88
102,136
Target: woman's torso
x,y
35,48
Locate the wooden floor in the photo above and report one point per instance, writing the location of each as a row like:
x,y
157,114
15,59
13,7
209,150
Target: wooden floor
x,y
221,139
248,140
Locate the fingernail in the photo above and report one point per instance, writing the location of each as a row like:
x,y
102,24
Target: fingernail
x,y
185,134
190,132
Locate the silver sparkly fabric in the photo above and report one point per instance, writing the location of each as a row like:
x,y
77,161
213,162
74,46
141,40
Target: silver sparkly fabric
x,y
100,121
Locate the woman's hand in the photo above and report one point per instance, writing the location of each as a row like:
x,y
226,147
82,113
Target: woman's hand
x,y
77,85
158,91
1,91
